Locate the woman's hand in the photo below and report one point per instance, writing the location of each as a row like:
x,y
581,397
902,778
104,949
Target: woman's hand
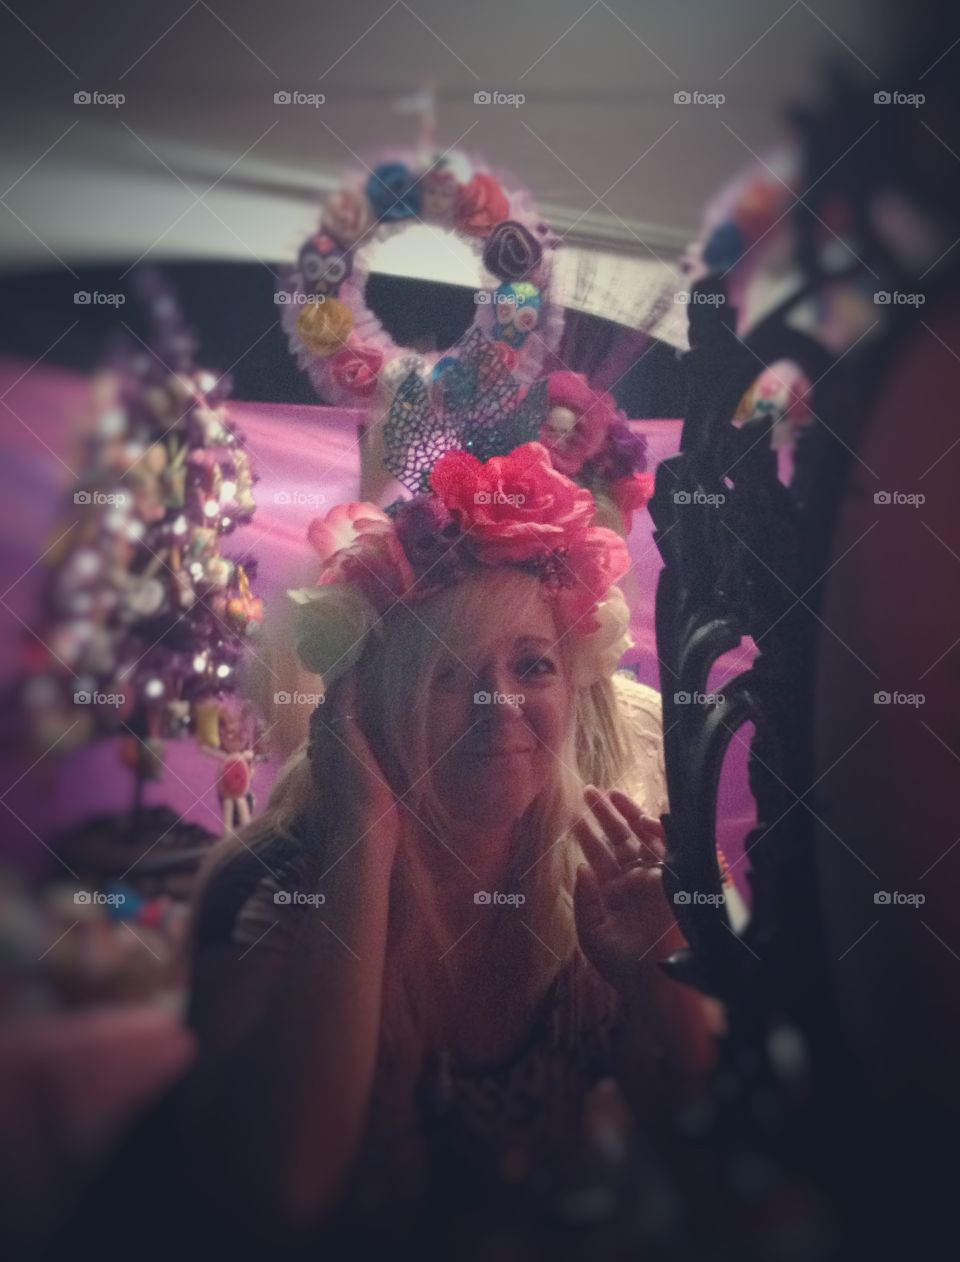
x,y
624,922
365,803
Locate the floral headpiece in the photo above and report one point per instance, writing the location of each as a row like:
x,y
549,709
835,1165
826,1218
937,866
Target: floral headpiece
x,y
476,405
514,510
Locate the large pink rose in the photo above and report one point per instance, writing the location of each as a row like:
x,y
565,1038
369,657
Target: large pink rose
x,y
577,422
514,507
593,562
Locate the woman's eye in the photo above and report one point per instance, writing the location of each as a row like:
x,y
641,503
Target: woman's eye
x,y
531,667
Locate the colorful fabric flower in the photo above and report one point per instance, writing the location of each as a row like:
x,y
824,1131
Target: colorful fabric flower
x,y
324,327
631,494
343,525
347,217
518,311
331,624
440,187
355,369
513,507
593,561
578,421
480,205
511,251
323,265
394,192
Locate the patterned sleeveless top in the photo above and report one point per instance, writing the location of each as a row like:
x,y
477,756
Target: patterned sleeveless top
x,y
436,1128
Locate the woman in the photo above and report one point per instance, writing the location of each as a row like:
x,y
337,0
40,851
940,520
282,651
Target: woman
x,y
407,980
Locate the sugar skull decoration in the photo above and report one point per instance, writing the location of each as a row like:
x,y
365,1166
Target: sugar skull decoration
x,y
349,356
323,265
517,312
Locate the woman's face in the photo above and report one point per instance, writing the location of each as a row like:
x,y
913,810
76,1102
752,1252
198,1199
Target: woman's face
x,y
497,717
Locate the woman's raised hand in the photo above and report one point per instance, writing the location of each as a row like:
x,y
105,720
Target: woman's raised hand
x,y
365,803
624,921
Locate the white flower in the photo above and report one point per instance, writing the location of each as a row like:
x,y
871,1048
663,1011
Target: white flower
x,y
331,624
599,654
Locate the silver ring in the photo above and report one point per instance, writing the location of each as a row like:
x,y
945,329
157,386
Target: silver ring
x,y
643,863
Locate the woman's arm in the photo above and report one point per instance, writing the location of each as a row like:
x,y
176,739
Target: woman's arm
x,y
289,1026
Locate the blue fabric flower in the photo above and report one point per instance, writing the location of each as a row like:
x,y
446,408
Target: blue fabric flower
x,y
392,192
724,247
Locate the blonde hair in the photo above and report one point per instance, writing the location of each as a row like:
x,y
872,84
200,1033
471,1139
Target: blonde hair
x,y
394,677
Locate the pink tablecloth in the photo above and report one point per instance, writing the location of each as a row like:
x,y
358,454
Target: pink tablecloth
x,y
306,459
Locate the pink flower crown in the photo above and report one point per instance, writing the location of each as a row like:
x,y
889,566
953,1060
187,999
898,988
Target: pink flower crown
x,y
515,510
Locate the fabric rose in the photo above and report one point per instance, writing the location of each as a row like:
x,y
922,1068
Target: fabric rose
x,y
440,187
511,251
355,368
343,525
599,654
592,563
578,421
324,327
513,507
480,204
393,191
623,453
347,217
331,624
631,494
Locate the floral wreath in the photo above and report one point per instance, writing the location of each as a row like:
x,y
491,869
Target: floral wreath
x,y
339,341
514,510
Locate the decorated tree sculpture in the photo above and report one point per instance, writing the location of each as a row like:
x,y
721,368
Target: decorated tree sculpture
x,y
145,619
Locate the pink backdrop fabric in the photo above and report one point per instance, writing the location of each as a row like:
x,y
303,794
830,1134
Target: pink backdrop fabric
x,y
306,460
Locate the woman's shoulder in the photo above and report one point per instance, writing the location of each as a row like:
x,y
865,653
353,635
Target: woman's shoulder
x,y
638,703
